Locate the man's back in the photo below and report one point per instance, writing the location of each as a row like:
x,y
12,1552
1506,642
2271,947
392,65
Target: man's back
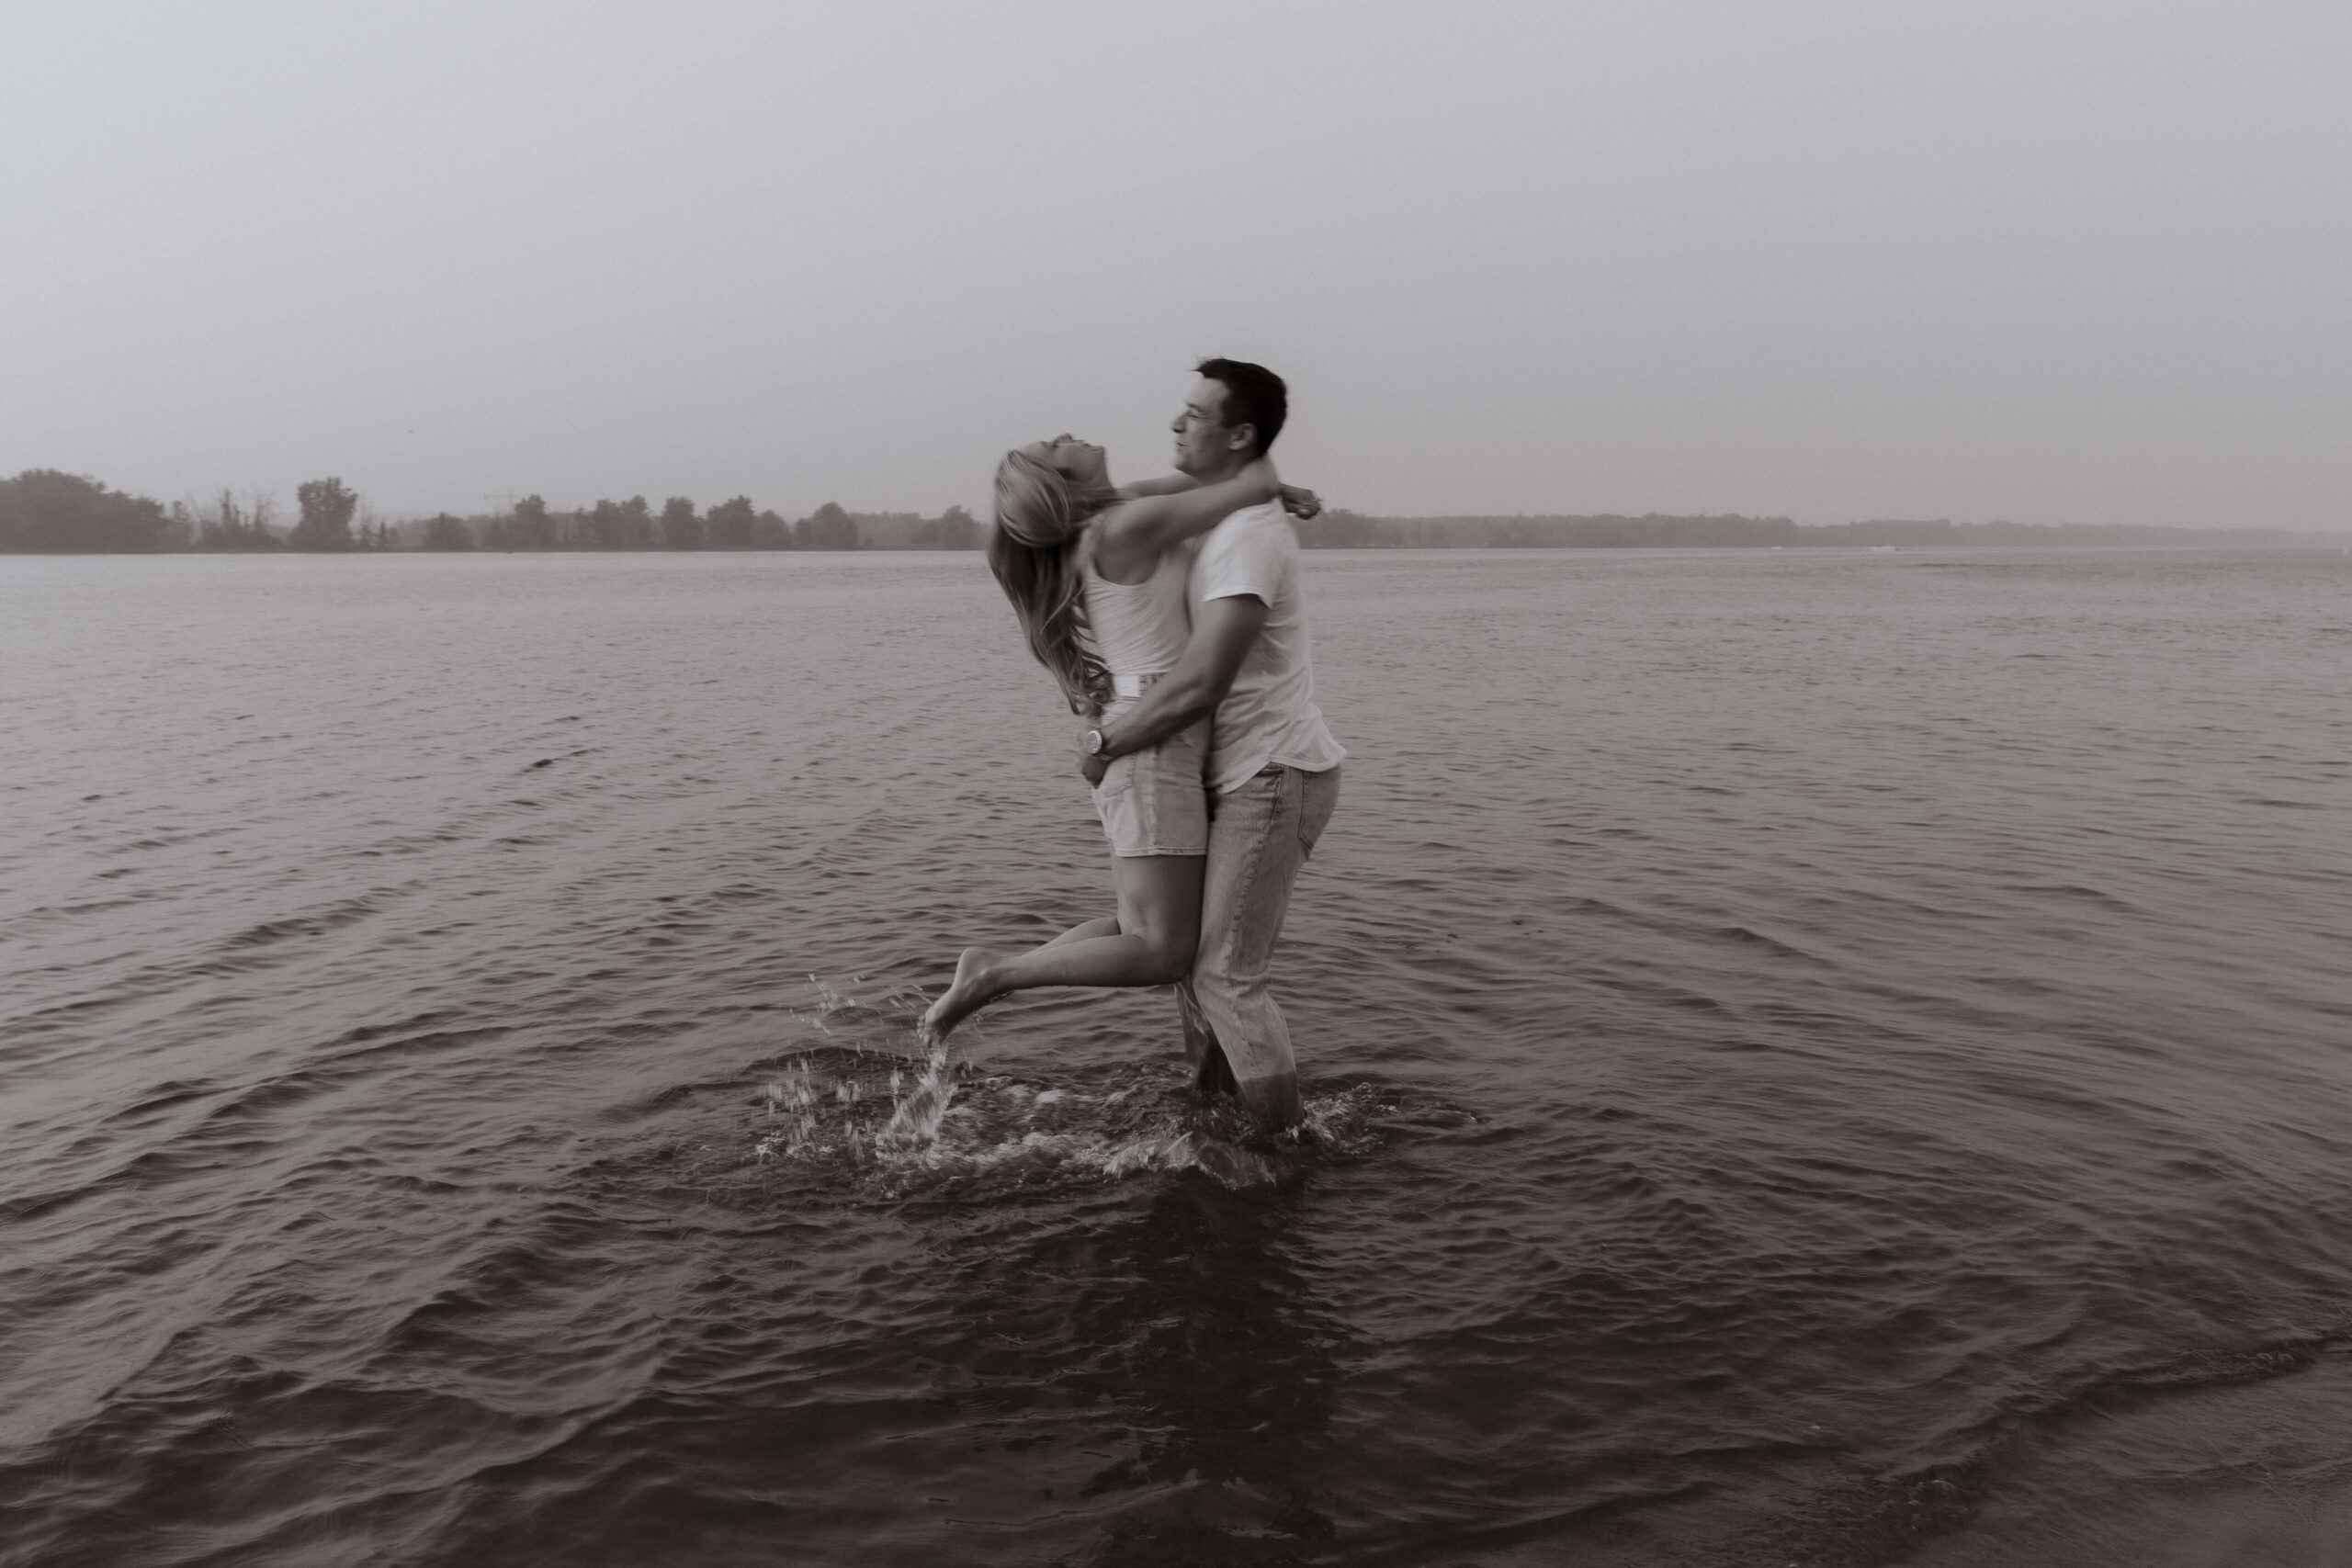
x,y
1269,714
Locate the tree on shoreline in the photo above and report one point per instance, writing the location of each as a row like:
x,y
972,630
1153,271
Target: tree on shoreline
x,y
231,527
615,526
446,533
528,527
729,524
326,506
954,529
680,529
42,509
827,528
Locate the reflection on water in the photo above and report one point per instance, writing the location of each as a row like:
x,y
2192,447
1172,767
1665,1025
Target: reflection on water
x,y
1194,1322
1813,1058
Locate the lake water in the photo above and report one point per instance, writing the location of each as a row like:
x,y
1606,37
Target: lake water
x,y
1823,1058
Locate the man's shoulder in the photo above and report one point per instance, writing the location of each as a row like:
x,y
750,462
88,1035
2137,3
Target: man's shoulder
x,y
1250,552
1261,525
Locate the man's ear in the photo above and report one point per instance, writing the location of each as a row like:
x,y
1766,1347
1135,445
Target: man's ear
x,y
1242,438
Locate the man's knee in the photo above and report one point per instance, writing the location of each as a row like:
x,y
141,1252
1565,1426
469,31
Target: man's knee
x,y
1213,993
1219,984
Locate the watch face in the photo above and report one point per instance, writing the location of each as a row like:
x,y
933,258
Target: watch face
x,y
1094,743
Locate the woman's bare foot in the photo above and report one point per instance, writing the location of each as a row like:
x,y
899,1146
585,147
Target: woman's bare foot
x,y
973,989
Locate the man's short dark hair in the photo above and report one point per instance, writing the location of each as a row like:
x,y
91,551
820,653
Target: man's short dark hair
x,y
1253,395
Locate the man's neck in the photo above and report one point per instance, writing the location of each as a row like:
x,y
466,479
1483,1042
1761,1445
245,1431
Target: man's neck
x,y
1218,476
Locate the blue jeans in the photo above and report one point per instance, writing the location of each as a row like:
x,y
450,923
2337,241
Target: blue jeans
x,y
1260,835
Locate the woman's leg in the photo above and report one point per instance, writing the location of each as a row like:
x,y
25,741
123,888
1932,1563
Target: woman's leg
x,y
1107,925
1151,943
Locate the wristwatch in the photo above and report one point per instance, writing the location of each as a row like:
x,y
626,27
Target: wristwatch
x,y
1094,743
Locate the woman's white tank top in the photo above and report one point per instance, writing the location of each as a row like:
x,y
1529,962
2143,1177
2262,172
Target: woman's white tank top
x,y
1140,629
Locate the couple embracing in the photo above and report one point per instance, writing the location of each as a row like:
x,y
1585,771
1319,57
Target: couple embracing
x,y
1169,612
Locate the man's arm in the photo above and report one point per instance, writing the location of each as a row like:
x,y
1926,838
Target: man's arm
x,y
1221,639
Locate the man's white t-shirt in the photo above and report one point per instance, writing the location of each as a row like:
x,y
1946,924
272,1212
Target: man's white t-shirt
x,y
1269,714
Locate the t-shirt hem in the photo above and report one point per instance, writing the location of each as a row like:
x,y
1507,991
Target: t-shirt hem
x,y
1226,783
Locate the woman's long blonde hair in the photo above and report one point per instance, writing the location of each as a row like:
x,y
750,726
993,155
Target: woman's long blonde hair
x,y
1032,549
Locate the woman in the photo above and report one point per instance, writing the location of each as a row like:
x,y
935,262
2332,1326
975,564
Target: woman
x,y
1096,576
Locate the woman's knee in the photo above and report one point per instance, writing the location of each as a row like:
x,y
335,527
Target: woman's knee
x,y
1169,955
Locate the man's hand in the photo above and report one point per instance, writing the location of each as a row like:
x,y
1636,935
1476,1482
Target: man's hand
x,y
1222,636
1299,502
1093,764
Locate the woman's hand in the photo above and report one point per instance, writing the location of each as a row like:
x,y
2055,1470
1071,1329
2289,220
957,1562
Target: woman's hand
x,y
1300,503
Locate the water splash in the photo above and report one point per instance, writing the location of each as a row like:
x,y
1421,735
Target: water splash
x,y
856,1109
856,1123
915,1119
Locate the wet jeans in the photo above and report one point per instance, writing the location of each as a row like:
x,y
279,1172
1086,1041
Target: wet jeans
x,y
1260,835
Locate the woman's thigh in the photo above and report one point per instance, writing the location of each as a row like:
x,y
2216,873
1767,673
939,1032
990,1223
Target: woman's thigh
x,y
1152,803
1159,897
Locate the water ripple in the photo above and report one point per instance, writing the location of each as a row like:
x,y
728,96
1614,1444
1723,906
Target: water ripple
x,y
1833,1059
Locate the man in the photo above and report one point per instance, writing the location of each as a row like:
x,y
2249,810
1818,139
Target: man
x,y
1274,768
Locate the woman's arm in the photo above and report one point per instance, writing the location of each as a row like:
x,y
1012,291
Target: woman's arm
x,y
1168,484
1298,501
1148,524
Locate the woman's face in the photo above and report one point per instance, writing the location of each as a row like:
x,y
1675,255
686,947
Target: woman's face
x,y
1081,462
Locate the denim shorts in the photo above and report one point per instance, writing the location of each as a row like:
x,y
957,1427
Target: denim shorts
x,y
1156,802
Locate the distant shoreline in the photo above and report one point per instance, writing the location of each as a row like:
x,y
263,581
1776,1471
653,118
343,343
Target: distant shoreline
x,y
1346,530
43,512
2208,540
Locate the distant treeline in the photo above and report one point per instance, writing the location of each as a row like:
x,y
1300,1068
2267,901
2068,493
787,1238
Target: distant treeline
x,y
44,510
1352,531
633,524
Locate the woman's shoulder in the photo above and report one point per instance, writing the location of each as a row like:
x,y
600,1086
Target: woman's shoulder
x,y
1105,555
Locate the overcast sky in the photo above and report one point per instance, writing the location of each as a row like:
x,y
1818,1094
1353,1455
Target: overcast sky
x,y
2051,262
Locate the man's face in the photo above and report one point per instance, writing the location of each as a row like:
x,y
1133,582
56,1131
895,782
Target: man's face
x,y
1205,445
